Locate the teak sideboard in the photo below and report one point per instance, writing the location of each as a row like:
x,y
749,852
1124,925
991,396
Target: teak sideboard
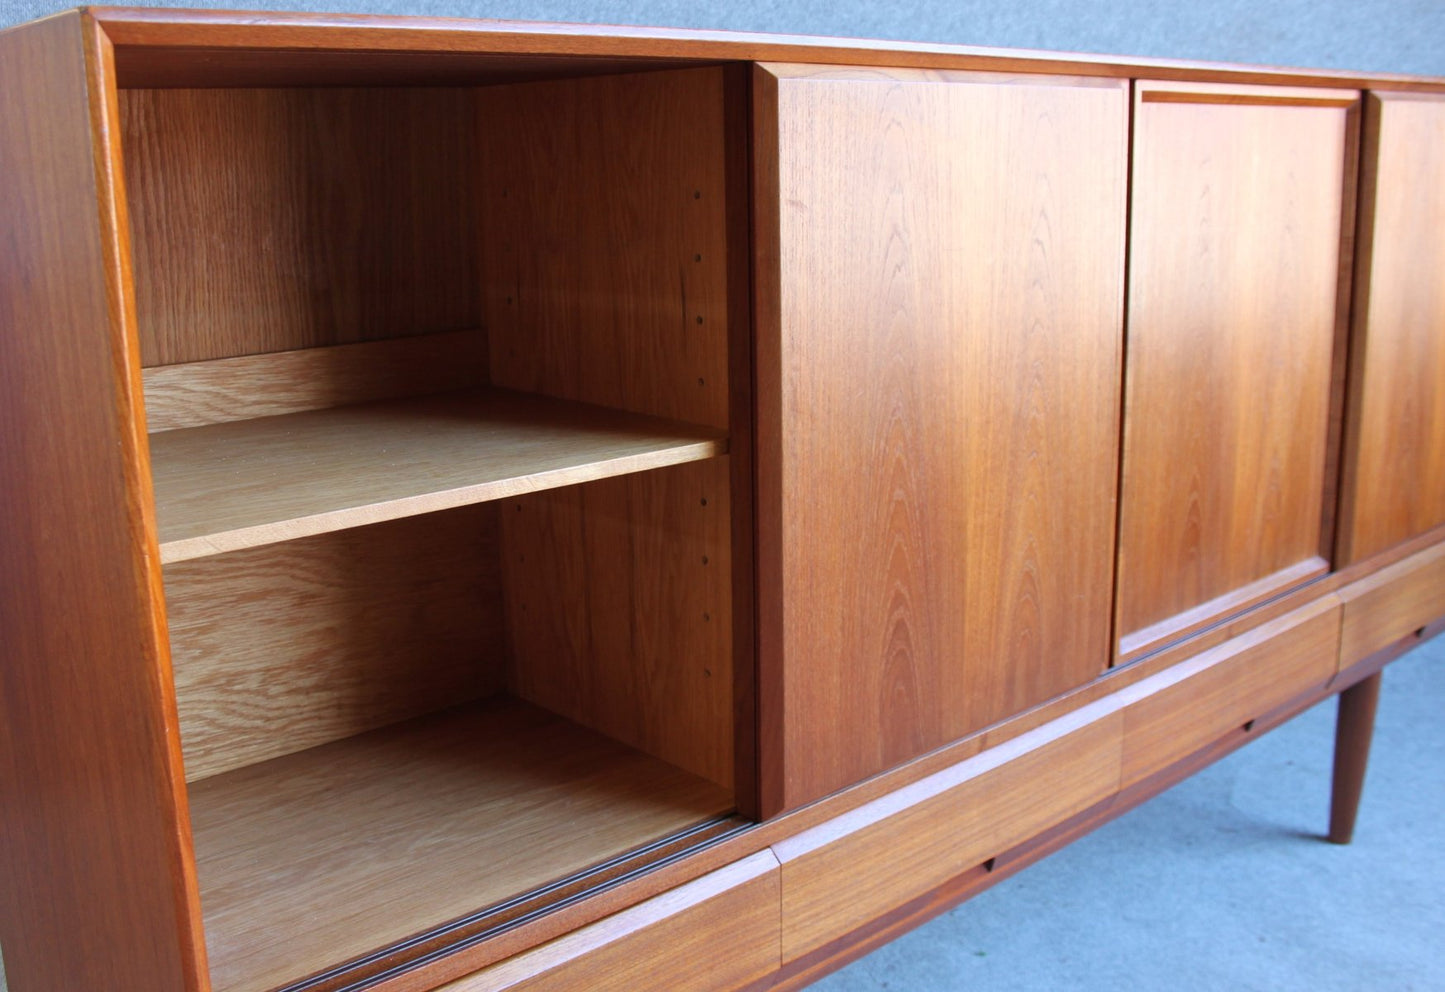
x,y
495,506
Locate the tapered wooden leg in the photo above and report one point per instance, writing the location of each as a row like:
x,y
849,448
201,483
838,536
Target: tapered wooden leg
x,y
1354,726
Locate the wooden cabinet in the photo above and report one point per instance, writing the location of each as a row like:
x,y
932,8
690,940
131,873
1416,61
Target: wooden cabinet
x,y
938,326
1235,314
1393,484
494,506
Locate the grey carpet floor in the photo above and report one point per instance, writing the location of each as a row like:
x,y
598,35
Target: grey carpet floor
x,y
1224,882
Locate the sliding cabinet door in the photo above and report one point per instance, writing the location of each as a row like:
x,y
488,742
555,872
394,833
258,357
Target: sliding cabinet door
x,y
1394,477
939,299
1239,205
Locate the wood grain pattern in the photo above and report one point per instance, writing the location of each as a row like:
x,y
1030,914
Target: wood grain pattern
x,y
717,932
1189,705
226,389
1234,262
395,831
619,607
271,219
282,648
605,253
99,890
1393,483
198,33
1392,603
230,486
939,334
896,848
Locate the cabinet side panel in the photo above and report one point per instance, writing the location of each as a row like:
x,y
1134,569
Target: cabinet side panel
x,y
618,607
942,345
1394,476
1233,277
605,241
98,881
273,219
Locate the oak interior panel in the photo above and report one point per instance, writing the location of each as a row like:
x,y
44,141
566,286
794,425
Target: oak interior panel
x,y
281,648
396,831
1236,228
939,349
235,485
219,391
274,219
604,244
618,599
1394,477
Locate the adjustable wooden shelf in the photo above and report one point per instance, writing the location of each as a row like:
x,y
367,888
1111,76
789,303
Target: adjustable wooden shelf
x,y
501,506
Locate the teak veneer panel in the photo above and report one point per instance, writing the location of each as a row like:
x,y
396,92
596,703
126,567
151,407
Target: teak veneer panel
x,y
311,859
1236,227
195,394
1393,486
273,219
193,39
229,486
285,647
1392,603
1196,702
939,338
99,891
618,606
719,931
604,241
851,869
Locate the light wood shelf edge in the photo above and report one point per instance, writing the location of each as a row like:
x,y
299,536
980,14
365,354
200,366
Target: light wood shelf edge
x,y
228,486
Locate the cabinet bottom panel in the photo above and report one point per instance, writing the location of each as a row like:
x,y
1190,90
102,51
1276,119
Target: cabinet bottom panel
x,y
362,855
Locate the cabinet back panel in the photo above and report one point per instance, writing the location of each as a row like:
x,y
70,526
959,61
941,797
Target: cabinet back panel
x,y
285,647
604,253
1234,264
619,610
273,219
1394,479
229,389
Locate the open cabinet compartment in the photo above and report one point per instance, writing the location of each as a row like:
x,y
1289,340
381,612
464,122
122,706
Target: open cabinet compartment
x,y
448,444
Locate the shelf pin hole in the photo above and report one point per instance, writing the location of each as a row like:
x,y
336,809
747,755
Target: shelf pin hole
x,y
1248,726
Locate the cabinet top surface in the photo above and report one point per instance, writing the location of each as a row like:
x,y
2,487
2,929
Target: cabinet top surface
x,y
200,47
